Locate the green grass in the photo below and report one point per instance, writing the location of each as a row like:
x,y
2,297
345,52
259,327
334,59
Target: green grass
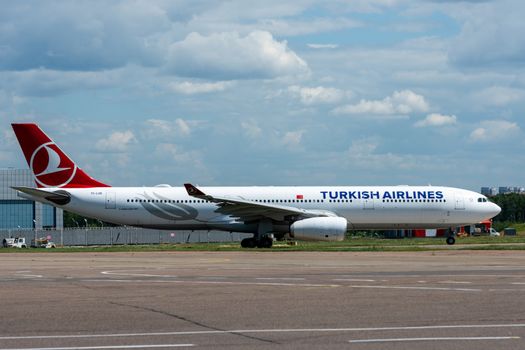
x,y
351,245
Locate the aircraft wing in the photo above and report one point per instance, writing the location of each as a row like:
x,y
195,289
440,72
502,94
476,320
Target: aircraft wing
x,y
246,210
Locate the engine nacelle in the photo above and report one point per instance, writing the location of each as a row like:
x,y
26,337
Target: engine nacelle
x,y
319,229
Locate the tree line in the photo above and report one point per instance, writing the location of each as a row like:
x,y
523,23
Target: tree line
x,y
512,207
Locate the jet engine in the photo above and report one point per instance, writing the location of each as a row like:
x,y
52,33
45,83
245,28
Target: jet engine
x,y
319,229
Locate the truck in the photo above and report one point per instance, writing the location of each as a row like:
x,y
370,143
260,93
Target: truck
x,y
17,242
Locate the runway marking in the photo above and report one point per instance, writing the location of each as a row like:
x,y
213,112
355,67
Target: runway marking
x,y
111,347
234,283
455,282
287,284
391,340
31,276
419,288
354,280
519,283
118,273
282,278
276,330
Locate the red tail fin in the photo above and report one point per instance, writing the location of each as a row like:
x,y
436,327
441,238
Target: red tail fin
x,y
50,166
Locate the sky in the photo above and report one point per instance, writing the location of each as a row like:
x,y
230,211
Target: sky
x,y
379,92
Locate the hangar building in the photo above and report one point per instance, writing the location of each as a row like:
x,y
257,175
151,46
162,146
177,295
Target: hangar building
x,y
16,212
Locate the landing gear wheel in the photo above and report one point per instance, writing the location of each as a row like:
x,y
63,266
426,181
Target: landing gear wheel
x,y
451,240
248,243
265,242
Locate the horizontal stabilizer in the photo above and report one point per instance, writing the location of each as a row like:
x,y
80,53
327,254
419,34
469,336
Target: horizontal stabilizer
x,y
60,197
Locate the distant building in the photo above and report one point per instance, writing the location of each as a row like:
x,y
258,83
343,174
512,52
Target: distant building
x,y
503,190
485,191
16,212
492,191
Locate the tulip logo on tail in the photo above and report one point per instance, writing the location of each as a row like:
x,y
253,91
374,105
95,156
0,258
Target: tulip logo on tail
x,y
51,167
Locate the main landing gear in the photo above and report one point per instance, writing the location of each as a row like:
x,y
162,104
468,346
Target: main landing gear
x,y
264,242
263,238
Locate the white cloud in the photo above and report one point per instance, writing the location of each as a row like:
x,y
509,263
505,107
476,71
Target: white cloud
x,y
251,129
315,95
173,152
323,46
494,131
161,127
489,36
117,142
498,96
400,102
301,27
292,139
436,119
230,56
79,36
183,127
46,82
362,155
190,88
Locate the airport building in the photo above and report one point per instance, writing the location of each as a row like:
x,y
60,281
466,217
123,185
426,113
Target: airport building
x,y
17,212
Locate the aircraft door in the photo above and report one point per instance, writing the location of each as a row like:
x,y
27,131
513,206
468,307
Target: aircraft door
x,y
111,202
368,203
459,202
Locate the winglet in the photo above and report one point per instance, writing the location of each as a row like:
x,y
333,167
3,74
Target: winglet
x,y
193,191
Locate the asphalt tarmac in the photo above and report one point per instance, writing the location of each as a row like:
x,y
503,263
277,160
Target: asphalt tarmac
x,y
263,300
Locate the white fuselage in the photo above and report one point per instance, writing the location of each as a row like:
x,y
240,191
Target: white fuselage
x,y
364,207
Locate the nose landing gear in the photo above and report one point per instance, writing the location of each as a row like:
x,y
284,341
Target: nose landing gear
x,y
450,238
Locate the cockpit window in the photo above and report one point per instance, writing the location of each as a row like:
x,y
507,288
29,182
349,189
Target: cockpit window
x,y
482,200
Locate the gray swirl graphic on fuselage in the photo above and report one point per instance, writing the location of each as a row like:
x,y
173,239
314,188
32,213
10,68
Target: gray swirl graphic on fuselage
x,y
168,211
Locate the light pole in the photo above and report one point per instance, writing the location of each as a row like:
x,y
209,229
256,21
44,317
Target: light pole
x,y
85,220
34,226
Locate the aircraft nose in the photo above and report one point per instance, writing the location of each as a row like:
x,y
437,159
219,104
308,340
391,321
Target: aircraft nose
x,y
494,209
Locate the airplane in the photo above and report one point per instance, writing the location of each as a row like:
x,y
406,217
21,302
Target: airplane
x,y
321,213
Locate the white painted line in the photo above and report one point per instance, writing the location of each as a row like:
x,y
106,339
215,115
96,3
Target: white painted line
x,y
519,283
146,346
31,276
455,282
353,280
391,340
507,290
421,281
124,273
281,278
419,288
276,330
232,283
